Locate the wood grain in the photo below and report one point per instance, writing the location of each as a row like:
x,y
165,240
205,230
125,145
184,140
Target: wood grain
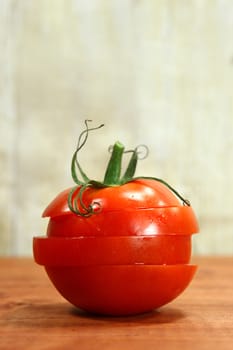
x,y
34,316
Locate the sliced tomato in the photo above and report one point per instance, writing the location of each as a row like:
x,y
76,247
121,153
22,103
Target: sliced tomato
x,y
121,290
121,246
85,251
145,222
136,194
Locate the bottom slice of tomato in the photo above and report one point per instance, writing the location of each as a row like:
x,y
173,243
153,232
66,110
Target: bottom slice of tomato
x,y
121,290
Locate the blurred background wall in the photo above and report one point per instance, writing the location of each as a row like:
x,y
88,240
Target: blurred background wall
x,y
156,72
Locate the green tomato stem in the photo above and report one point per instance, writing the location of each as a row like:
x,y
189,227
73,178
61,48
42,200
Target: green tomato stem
x,y
113,171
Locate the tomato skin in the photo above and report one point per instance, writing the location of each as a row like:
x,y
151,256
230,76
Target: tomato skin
x,y
93,251
121,290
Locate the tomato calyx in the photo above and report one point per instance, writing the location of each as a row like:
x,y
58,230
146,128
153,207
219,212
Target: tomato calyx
x,y
112,177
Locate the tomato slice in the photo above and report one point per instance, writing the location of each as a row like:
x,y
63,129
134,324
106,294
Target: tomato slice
x,y
137,222
136,194
121,290
84,251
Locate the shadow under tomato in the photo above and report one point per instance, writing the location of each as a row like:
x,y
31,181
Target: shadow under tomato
x,y
62,315
162,315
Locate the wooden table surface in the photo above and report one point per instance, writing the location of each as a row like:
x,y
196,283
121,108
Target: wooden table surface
x,y
34,316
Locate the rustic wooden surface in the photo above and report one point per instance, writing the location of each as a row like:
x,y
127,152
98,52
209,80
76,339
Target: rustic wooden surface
x,y
34,316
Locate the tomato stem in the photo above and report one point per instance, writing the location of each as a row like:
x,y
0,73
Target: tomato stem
x,y
113,171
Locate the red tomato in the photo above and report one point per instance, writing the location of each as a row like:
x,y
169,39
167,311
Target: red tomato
x,y
136,248
119,247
